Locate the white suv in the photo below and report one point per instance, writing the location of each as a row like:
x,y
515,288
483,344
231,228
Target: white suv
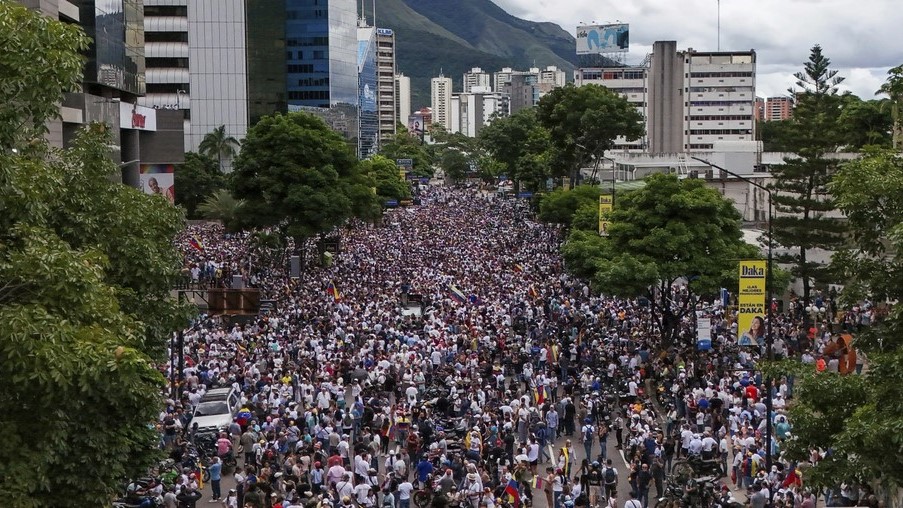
x,y
216,410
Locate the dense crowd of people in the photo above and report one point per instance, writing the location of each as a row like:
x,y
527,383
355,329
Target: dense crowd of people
x,y
446,357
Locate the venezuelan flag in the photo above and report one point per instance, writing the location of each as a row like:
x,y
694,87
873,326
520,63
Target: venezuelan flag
x,y
456,294
333,291
196,243
518,267
532,292
512,491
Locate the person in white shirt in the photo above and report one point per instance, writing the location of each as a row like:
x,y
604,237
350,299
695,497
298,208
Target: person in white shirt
x,y
404,494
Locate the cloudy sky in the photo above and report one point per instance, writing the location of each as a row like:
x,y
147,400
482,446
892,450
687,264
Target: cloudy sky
x,y
861,37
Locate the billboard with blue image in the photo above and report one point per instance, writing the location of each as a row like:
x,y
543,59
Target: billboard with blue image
x,y
600,39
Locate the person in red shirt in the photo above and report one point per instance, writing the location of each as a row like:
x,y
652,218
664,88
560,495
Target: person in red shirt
x,y
752,393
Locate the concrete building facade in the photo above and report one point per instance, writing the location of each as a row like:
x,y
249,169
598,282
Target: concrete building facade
x,y
473,110
631,83
143,139
476,77
387,104
440,101
402,98
778,108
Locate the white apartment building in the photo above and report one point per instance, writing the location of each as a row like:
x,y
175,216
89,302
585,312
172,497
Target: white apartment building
x,y
630,82
689,99
476,77
402,98
440,100
553,76
387,103
473,110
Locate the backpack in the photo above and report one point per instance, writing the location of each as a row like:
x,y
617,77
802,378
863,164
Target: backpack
x,y
610,477
587,433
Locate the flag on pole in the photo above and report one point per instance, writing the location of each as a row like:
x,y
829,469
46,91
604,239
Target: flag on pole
x,y
518,267
512,492
196,243
532,292
333,291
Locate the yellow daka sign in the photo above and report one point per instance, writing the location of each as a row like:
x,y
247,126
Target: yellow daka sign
x,y
751,303
605,206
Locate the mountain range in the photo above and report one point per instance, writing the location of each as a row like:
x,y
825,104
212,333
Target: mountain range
x,y
453,36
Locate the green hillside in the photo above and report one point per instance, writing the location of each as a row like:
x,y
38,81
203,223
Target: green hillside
x,y
454,36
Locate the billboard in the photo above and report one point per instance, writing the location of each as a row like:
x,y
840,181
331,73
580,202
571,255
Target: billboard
x,y
703,334
599,39
751,303
158,179
133,116
605,205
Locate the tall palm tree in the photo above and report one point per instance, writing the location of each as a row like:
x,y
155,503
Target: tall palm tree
x,y
893,88
218,145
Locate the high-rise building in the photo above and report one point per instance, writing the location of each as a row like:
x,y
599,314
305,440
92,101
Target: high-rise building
x,y
553,76
440,99
402,97
321,52
368,116
476,77
217,69
471,111
143,138
526,88
760,109
690,99
778,108
386,93
630,82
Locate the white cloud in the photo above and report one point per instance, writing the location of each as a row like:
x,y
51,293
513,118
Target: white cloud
x,y
859,37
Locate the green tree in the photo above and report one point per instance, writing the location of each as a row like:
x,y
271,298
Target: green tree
x,y
219,145
386,178
864,123
222,206
801,201
859,417
775,135
86,267
560,206
196,180
522,145
583,122
669,230
45,47
405,146
893,88
297,174
454,164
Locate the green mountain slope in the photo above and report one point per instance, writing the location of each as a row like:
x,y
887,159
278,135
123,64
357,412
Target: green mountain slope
x,y
452,36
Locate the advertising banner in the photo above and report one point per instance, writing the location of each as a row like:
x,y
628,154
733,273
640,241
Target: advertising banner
x,y
600,39
605,204
158,179
133,116
751,303
703,334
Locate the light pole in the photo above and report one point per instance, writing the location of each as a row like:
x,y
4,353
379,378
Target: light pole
x,y
769,337
596,169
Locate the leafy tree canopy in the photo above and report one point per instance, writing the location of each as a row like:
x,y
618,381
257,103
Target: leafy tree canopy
x,y
386,178
219,145
584,121
522,145
296,173
197,179
561,205
405,146
85,275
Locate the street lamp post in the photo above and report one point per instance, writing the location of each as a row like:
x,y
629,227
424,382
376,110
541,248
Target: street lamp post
x,y
769,338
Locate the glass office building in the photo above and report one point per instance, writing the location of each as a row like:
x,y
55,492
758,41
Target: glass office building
x,y
115,58
267,80
321,59
368,124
